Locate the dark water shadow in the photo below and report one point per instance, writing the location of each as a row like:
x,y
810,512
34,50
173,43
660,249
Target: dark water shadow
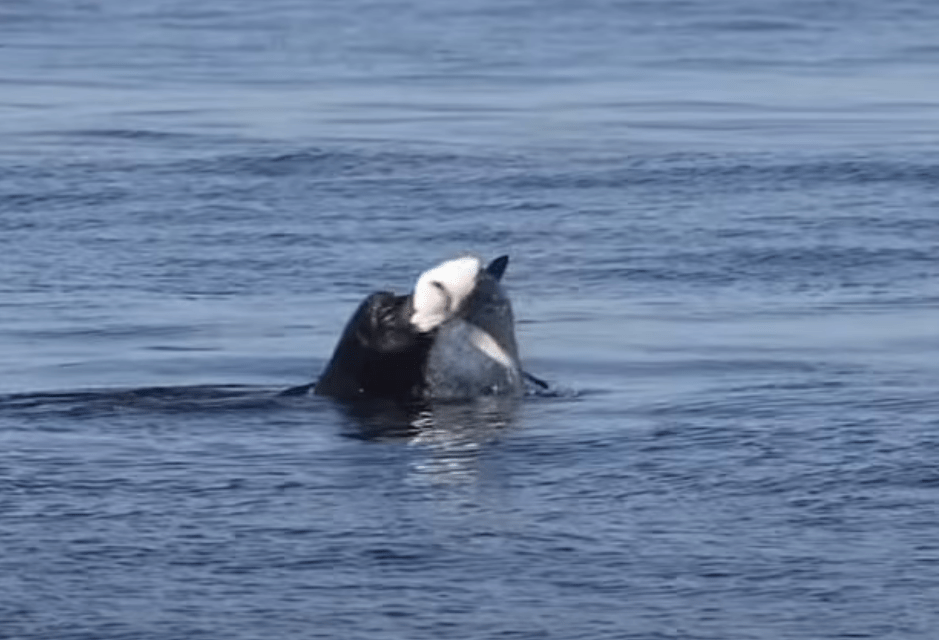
x,y
384,419
448,440
94,403
367,420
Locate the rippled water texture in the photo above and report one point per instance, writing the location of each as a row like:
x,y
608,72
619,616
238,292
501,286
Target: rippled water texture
x,y
723,224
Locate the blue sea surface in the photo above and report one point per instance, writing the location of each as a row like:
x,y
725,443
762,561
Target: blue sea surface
x,y
723,222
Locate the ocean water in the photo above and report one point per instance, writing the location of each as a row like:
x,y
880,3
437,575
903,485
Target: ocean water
x,y
723,220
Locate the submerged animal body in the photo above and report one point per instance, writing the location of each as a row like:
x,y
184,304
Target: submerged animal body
x,y
452,337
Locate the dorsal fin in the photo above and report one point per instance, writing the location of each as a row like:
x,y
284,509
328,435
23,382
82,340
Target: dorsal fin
x,y
497,267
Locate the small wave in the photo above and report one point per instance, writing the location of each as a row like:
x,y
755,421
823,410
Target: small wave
x,y
748,173
756,25
92,403
346,162
137,135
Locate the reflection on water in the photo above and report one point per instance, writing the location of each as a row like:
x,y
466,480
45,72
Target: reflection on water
x,y
453,438
449,437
